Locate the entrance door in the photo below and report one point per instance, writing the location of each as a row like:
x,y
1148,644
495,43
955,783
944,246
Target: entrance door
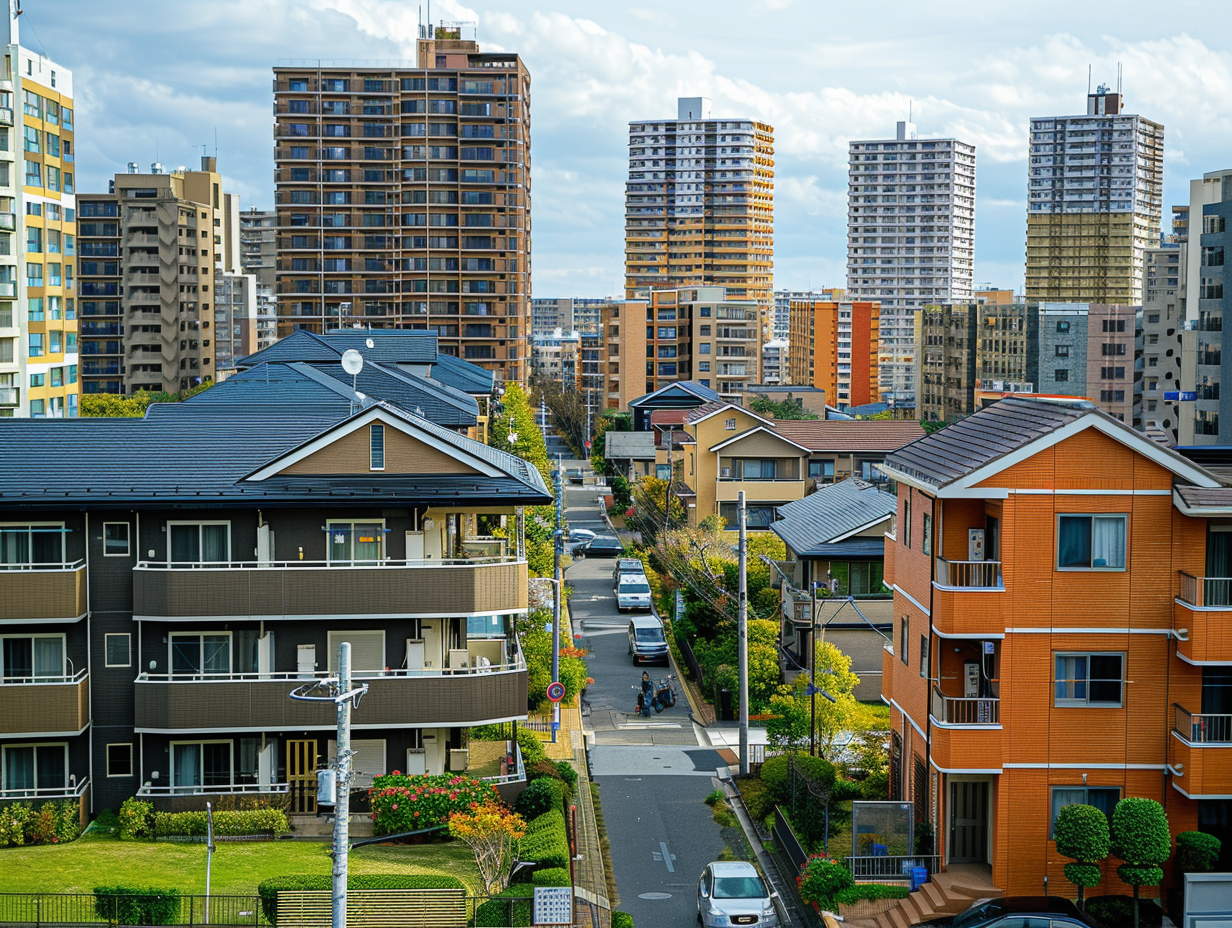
x,y
968,823
302,775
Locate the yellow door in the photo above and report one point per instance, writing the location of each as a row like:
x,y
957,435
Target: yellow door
x,y
302,775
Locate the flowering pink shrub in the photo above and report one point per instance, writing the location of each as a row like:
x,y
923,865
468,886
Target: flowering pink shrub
x,y
408,803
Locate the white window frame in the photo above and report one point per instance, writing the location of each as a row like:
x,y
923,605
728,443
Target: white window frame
x,y
1082,786
120,744
62,675
382,555
200,770
1085,702
4,764
171,636
63,562
1123,516
372,432
126,635
198,523
730,425
128,540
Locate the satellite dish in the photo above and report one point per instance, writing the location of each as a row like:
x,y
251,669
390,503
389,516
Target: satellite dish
x,y
352,361
370,343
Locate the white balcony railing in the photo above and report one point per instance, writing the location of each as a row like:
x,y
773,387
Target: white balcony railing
x,y
68,791
1203,728
218,789
1206,591
40,680
965,710
976,575
380,564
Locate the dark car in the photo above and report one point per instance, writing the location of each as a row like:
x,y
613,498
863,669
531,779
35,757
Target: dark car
x,y
603,546
1025,912
575,476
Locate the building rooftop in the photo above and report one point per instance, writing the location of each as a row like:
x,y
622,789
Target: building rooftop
x,y
868,435
833,513
635,445
681,389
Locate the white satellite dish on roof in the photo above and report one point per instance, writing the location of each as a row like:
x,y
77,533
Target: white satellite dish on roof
x,y
352,361
370,343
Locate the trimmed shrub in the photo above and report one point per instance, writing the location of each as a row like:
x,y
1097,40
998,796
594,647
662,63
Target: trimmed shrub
x,y
512,908
133,905
540,796
408,803
845,789
268,889
757,799
552,876
1141,838
532,748
226,824
1197,852
56,821
821,879
543,768
870,892
136,819
1081,833
622,920
15,821
546,842
775,774
1119,910
567,774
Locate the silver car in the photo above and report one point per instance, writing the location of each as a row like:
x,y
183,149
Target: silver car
x,y
732,893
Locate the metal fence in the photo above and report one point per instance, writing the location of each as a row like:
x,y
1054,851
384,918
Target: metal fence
x,y
787,839
64,909
891,867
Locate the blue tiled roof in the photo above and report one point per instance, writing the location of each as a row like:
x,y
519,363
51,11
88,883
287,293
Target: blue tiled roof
x,y
467,377
832,512
691,387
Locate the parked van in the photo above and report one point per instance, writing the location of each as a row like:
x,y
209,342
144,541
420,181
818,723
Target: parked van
x,y
633,593
625,566
647,641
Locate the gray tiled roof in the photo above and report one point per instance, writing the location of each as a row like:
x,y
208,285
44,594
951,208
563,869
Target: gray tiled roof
x,y
688,386
833,511
639,445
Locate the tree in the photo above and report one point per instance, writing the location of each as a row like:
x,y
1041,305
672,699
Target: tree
x,y
118,406
568,408
650,498
1140,837
931,426
794,705
490,831
1081,833
515,430
784,409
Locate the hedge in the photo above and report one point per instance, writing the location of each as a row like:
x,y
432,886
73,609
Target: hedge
x,y
622,920
512,908
870,892
403,803
56,821
268,889
546,841
540,796
226,824
134,905
552,876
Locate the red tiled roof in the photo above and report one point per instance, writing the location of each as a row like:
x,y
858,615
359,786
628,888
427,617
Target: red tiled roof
x,y
700,412
668,417
884,435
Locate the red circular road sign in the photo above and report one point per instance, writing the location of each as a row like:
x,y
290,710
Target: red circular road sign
x,y
556,691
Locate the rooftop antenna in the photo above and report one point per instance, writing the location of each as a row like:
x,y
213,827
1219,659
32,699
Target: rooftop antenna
x,y
352,363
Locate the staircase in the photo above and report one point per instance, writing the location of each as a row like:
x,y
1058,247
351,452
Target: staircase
x,y
946,894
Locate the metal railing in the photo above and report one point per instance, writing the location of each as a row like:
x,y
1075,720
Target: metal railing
x,y
1205,591
31,680
965,710
71,791
47,567
375,564
218,789
978,575
64,909
891,866
1203,728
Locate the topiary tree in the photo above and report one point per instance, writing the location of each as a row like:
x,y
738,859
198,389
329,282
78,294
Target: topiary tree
x,y
1140,837
1197,852
1081,833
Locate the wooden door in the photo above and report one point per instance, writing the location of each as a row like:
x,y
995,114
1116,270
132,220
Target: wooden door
x,y
302,775
968,823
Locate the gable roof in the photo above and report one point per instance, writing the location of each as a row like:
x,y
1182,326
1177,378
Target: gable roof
x,y
855,435
973,449
748,433
681,389
636,445
833,513
702,413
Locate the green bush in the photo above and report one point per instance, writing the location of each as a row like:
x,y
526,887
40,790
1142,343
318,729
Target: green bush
x,y
876,786
498,731
403,803
1081,833
775,773
567,774
509,909
268,889
622,920
543,768
540,796
132,905
1197,852
136,819
552,876
546,841
870,892
822,879
1119,910
1141,838
845,790
714,797
774,776
532,748
757,799
226,824
56,821
15,821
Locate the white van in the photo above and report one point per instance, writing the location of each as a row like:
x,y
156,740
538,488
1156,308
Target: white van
x,y
633,593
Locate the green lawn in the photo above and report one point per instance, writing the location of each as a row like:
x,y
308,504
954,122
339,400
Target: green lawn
x,y
237,869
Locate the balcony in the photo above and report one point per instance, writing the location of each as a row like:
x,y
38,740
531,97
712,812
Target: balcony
x,y
6,115
398,698
308,589
1202,618
42,705
778,490
72,790
43,591
969,597
966,733
1199,753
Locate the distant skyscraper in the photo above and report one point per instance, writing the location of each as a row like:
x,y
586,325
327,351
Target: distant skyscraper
x,y
781,325
258,246
569,314
699,205
1095,198
910,238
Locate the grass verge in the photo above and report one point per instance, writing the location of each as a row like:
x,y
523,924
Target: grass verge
x,y
605,846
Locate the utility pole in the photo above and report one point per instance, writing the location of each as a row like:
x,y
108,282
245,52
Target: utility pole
x,y
558,538
342,808
742,629
813,661
667,492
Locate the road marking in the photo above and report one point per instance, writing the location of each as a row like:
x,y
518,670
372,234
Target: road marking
x,y
654,897
642,726
666,857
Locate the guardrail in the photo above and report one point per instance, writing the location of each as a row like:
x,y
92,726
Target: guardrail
x,y
979,575
35,681
955,710
1203,728
376,564
220,789
891,866
1205,591
72,791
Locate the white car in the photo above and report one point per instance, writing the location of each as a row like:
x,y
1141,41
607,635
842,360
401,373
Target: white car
x,y
731,892
578,536
633,593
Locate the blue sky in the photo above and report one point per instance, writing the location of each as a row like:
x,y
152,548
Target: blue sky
x,y
158,78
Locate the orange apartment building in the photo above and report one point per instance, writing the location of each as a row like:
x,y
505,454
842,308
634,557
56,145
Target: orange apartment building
x,y
834,345
1063,633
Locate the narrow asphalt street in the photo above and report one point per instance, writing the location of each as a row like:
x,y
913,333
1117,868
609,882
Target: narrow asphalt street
x,y
653,773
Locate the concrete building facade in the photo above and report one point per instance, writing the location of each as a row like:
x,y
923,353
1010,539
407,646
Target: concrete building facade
x,y
259,246
910,238
835,346
569,314
781,324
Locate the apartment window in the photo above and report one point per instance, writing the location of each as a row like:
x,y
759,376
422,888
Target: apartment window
x,y
199,542
1089,679
1062,326
31,657
861,579
115,539
907,520
118,649
119,760
202,763
1103,798
35,766
904,639
200,653
1117,325
355,541
1062,351
32,544
730,425
376,445
924,656
926,545
1112,349
821,469
31,140
1091,542
1060,375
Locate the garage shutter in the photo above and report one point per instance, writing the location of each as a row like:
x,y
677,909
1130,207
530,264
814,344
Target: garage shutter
x,y
368,762
367,651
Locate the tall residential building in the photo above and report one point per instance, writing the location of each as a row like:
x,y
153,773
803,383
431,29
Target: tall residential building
x,y
38,230
834,346
403,197
1095,198
910,238
569,314
622,353
244,320
153,258
781,323
699,205
1164,336
773,361
258,245
556,357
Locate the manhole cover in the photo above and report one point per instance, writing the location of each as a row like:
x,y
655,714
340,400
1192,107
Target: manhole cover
x,y
657,897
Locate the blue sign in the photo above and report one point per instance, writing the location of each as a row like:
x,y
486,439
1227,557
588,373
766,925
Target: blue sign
x,y
1183,396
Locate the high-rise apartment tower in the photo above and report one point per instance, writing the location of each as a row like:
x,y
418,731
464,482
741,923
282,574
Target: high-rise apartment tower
x,y
910,238
699,205
1094,201
403,197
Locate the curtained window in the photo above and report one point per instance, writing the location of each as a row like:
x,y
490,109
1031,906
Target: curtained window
x,y
1102,798
200,542
1091,542
1089,679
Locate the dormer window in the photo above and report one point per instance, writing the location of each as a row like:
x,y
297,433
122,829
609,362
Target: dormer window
x,y
731,425
376,442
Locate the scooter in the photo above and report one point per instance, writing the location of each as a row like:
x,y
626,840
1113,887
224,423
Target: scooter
x,y
665,694
643,707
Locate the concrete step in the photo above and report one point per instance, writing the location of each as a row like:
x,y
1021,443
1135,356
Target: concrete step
x,y
883,920
898,918
935,896
918,906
